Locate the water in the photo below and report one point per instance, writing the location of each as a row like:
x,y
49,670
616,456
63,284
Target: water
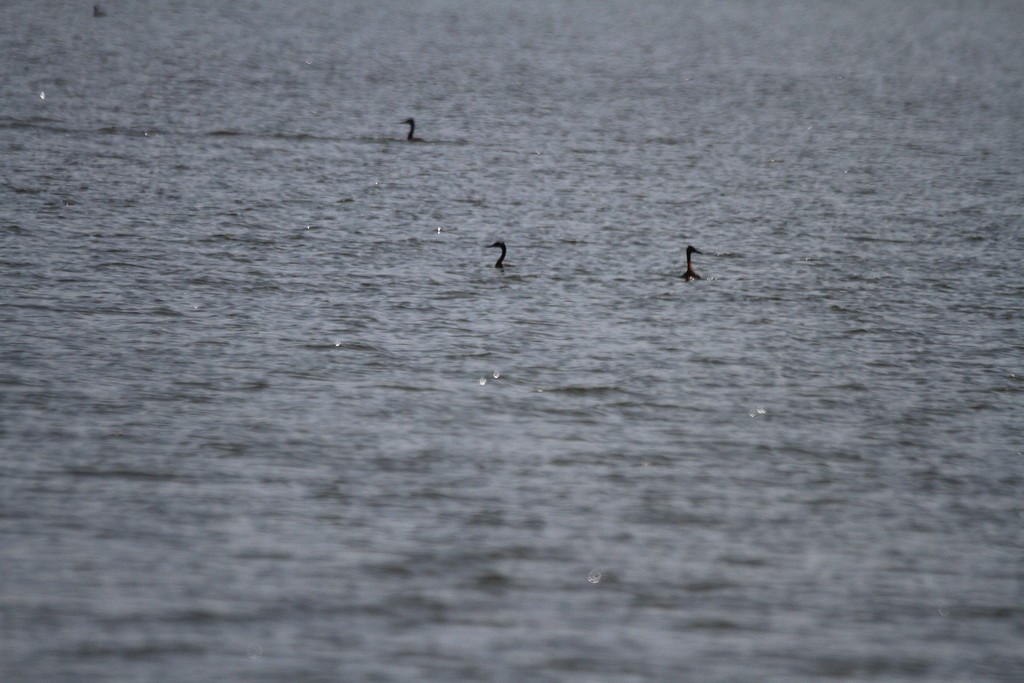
x,y
268,413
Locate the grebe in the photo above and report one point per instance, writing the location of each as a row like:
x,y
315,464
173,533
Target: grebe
x,y
412,126
501,258
690,273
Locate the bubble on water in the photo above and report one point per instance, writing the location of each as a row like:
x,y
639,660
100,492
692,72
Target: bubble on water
x,y
759,410
594,576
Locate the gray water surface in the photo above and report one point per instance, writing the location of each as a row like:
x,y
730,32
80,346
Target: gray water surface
x,y
267,413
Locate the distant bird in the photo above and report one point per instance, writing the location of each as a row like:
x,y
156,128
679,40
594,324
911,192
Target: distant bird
x,y
412,126
690,273
97,11
501,258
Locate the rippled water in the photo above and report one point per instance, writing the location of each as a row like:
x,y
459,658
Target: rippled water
x,y
268,413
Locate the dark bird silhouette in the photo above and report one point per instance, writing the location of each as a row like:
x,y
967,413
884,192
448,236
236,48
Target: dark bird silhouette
x,y
501,258
97,11
690,273
412,126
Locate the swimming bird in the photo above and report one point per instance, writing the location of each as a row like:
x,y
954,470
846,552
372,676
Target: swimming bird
x,y
501,258
690,273
412,126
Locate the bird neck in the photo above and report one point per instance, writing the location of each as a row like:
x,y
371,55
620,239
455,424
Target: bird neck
x,y
412,127
500,258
